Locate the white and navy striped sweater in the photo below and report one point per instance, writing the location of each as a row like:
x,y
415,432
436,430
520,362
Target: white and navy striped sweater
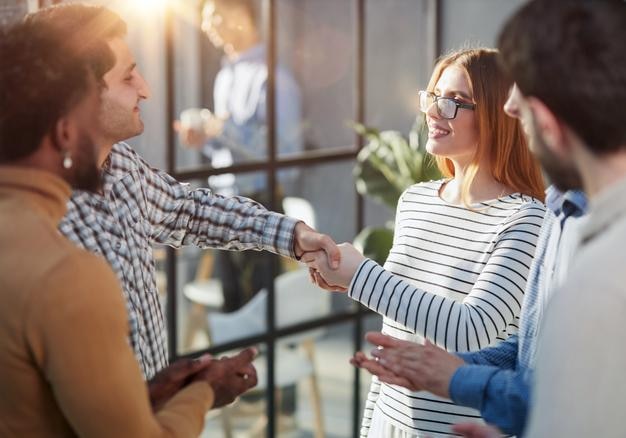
x,y
454,275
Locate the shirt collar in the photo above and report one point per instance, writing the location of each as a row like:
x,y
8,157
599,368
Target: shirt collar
x,y
570,203
608,207
254,53
47,192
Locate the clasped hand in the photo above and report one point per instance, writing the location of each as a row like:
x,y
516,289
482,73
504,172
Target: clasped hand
x,y
228,376
339,277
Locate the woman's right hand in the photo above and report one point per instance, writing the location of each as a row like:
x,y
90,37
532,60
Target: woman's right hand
x,y
341,277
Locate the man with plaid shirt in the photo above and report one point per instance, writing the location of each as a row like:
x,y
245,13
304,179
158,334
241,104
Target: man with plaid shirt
x,y
139,206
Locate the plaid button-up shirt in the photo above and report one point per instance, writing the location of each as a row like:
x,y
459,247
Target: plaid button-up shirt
x,y
141,206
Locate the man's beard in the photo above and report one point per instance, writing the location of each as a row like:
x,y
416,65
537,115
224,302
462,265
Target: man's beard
x,y
118,123
562,175
85,173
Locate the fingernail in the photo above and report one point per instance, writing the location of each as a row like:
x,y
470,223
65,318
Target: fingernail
x,y
202,358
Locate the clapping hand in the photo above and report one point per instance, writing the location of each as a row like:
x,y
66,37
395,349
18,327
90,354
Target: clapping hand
x,y
410,365
230,376
473,430
170,380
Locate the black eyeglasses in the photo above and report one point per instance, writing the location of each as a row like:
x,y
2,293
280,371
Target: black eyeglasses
x,y
447,107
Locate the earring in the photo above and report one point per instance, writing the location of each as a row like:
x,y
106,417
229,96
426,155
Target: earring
x,y
67,160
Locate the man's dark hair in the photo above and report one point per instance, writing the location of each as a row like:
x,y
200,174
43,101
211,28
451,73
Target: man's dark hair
x,y
88,27
43,75
250,6
570,55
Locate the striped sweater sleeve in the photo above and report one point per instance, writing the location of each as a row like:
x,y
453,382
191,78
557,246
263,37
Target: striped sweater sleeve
x,y
469,324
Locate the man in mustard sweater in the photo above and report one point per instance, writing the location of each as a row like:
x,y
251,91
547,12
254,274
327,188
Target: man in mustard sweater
x,y
66,368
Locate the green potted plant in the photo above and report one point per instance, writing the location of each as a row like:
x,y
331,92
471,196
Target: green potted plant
x,y
386,166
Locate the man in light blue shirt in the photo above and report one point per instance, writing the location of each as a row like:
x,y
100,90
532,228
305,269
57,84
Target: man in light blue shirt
x,y
497,380
240,94
237,131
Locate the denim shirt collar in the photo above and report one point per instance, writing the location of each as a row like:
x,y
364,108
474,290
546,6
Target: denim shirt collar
x,y
571,203
256,53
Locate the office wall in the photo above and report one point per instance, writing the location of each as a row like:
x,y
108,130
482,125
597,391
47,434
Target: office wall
x,y
474,22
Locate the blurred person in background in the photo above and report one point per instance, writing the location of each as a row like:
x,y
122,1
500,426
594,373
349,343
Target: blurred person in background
x,y
236,131
238,124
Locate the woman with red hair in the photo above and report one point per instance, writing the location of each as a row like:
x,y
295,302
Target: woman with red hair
x,y
457,270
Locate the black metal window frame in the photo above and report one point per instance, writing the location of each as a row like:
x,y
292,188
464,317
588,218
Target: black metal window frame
x,y
271,166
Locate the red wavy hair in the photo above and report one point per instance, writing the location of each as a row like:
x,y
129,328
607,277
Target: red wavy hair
x,y
499,135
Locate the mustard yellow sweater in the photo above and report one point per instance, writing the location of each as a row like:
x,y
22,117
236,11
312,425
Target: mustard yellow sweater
x,y
66,367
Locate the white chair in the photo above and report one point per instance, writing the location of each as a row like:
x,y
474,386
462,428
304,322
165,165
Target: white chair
x,y
204,293
297,300
299,208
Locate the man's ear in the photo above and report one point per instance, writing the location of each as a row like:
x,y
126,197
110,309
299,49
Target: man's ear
x,y
64,134
549,127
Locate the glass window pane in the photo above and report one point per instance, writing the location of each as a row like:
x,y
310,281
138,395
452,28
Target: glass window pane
x,y
326,200
229,51
397,63
215,285
12,12
315,40
397,66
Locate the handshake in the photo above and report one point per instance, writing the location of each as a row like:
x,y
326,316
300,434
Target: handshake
x,y
331,266
333,278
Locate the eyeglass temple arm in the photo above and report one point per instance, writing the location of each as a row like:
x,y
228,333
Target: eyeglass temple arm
x,y
466,105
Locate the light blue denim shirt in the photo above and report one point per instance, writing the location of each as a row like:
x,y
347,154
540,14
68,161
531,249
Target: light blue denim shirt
x,y
497,380
240,97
